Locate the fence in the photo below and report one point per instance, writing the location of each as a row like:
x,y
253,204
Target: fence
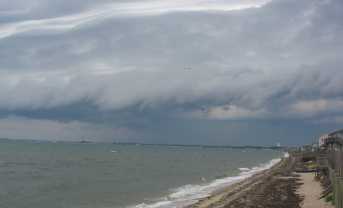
x,y
334,163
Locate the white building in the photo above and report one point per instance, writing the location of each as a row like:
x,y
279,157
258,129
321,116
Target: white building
x,y
322,139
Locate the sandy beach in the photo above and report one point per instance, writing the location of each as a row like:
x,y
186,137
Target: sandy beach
x,y
278,187
270,188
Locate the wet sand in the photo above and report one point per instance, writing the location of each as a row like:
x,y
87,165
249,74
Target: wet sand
x,y
311,191
273,188
278,187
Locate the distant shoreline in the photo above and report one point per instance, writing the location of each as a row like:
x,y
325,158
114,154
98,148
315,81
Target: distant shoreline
x,y
206,146
152,144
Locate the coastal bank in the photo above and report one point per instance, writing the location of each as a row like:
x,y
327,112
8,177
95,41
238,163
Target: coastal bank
x,y
309,176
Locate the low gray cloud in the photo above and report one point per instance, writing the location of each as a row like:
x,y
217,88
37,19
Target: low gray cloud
x,y
214,60
262,93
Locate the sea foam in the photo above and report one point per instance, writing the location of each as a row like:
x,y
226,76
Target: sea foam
x,y
192,193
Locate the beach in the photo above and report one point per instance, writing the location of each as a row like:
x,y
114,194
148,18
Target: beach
x,y
277,187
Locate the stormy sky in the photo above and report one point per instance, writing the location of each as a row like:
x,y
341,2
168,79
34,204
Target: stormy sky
x,y
183,71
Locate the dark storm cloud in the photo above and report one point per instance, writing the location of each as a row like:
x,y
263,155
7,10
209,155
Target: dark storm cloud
x,y
219,60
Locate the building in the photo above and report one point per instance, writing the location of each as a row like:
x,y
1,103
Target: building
x,y
323,139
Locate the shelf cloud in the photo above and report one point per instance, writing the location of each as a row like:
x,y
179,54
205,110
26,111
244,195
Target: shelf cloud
x,y
116,10
148,65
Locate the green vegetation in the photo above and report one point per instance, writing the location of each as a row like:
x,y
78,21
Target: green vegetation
x,y
330,198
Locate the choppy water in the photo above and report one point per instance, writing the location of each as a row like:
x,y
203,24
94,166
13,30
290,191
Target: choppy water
x,y
75,175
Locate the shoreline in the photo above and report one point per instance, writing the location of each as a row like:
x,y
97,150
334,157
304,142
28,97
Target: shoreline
x,y
277,187
239,194
215,189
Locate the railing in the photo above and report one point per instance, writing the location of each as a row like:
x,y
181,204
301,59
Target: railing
x,y
337,185
334,154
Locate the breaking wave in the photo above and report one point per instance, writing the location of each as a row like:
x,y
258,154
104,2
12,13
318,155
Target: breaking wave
x,y
192,193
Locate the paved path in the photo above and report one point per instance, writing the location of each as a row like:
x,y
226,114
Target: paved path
x,y
311,191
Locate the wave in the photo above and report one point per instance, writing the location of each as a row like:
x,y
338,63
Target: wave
x,y
192,193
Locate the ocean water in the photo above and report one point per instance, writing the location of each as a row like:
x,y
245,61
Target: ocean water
x,y
76,175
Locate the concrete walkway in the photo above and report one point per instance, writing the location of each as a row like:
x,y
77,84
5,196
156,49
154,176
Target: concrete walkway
x,y
311,191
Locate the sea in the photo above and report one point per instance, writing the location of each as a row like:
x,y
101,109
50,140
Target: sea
x,y
97,175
